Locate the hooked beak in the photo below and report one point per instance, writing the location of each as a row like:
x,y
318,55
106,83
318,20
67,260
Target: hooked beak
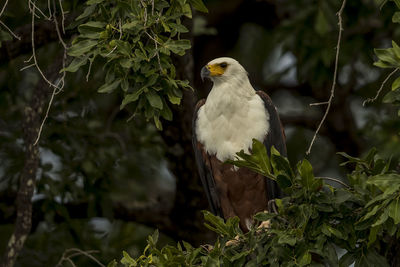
x,y
205,73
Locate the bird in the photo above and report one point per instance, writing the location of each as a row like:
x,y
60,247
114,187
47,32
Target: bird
x,y
226,122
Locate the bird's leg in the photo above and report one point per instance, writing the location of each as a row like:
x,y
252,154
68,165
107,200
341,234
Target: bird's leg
x,y
233,241
271,209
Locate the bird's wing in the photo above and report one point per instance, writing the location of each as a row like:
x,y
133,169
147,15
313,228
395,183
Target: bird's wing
x,y
204,167
275,137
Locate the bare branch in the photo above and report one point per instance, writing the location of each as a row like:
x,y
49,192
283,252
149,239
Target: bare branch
x,y
319,104
4,8
45,116
334,180
73,252
27,67
340,24
10,31
370,100
34,50
62,16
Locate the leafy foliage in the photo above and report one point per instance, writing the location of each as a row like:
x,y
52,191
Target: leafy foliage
x,y
135,39
390,58
316,223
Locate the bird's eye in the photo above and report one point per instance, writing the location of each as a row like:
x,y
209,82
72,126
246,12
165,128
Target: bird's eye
x,y
223,65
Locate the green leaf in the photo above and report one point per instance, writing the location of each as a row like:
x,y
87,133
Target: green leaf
x,y
93,24
396,17
387,55
306,173
287,239
382,64
384,216
385,181
126,63
396,84
281,164
112,263
87,12
108,88
394,210
341,196
305,259
397,3
154,99
178,27
177,46
82,47
327,228
396,49
259,152
174,99
131,98
128,260
372,235
198,5
76,64
392,97
346,260
217,222
370,213
283,181
94,2
264,216
166,112
131,25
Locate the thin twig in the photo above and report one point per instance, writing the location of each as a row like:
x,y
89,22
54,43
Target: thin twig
x,y
28,60
60,84
319,104
370,100
38,9
90,68
145,12
62,16
10,31
59,33
27,67
77,252
334,180
49,7
34,51
45,116
112,50
156,46
4,8
340,24
120,29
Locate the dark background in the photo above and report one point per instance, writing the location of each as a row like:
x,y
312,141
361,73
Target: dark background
x,y
104,183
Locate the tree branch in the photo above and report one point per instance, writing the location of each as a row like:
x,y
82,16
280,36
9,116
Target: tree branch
x,y
339,14
27,180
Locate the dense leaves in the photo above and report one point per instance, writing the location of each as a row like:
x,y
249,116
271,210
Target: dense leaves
x,y
135,40
316,223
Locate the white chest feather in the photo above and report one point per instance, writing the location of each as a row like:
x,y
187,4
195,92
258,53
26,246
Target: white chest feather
x,y
228,122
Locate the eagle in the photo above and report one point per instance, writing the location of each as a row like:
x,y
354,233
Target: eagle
x,y
225,123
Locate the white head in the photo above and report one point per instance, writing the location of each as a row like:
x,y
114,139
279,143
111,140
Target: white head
x,y
224,69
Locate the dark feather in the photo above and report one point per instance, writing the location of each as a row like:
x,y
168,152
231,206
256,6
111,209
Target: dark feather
x,y
204,167
276,137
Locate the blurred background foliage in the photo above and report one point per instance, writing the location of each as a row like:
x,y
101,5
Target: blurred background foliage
x,y
104,183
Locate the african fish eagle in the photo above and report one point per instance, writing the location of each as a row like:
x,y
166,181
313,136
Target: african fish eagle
x,y
225,123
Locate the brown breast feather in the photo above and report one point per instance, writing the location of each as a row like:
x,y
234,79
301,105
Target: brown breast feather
x,y
242,192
